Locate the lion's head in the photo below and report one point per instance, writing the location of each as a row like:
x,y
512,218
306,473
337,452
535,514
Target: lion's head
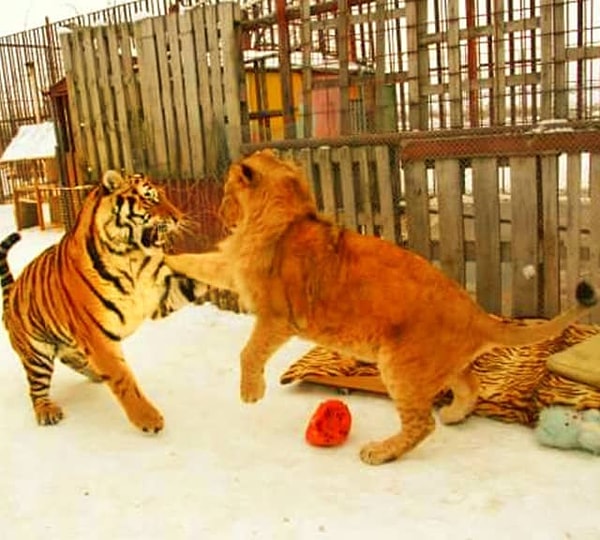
x,y
263,182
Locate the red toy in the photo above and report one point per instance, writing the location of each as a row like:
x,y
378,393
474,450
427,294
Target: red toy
x,y
329,424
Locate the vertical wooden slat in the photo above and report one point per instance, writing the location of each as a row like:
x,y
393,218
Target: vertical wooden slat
x,y
454,74
104,89
417,64
165,94
307,88
92,82
487,234
559,90
229,17
380,44
344,156
344,74
365,203
550,239
499,64
116,42
74,103
546,59
386,193
417,208
83,99
594,226
327,179
573,235
190,84
204,85
306,159
150,96
214,50
183,158
451,227
131,90
524,237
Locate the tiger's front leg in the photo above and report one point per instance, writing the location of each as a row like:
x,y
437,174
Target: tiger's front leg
x,y
109,362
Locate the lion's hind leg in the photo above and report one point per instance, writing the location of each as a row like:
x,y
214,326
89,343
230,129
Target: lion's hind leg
x,y
414,403
465,391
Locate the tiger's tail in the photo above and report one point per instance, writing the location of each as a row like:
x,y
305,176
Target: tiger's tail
x,y
6,277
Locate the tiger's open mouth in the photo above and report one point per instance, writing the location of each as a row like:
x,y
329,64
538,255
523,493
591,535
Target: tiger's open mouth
x,y
155,236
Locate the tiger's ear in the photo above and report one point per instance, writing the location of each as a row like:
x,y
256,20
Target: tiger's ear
x,y
112,180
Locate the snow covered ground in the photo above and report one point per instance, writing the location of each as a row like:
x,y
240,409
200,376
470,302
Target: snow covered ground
x,y
225,470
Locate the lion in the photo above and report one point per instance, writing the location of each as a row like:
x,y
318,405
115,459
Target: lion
x,y
302,275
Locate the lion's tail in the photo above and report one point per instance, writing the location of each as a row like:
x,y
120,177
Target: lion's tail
x,y
513,335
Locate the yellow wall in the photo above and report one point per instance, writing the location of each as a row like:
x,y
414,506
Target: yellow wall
x,y
273,102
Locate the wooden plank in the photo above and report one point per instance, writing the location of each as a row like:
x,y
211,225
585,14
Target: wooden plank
x,y
524,236
204,95
451,228
66,41
105,94
573,233
417,113
550,238
307,89
366,221
324,163
92,82
344,157
133,100
499,102
417,207
595,228
154,126
454,74
89,150
190,83
383,177
343,74
116,42
214,51
305,159
233,70
166,96
487,234
559,90
547,57
182,155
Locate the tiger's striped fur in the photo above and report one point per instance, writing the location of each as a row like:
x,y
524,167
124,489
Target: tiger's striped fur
x,y
79,298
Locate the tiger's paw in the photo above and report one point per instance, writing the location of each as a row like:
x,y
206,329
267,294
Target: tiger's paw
x,y
147,418
47,413
377,453
252,389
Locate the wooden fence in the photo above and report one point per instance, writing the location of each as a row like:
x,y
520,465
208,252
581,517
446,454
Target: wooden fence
x,y
160,95
519,253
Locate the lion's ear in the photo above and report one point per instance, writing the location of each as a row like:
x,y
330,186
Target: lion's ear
x,y
247,173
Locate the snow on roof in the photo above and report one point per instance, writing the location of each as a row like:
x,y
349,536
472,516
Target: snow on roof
x,y
33,141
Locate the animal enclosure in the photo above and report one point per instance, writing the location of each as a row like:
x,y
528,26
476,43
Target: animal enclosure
x,y
466,130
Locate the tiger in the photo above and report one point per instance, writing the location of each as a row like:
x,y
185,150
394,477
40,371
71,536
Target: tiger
x,y
78,299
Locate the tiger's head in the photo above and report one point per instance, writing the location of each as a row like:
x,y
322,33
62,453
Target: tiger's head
x,y
135,213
